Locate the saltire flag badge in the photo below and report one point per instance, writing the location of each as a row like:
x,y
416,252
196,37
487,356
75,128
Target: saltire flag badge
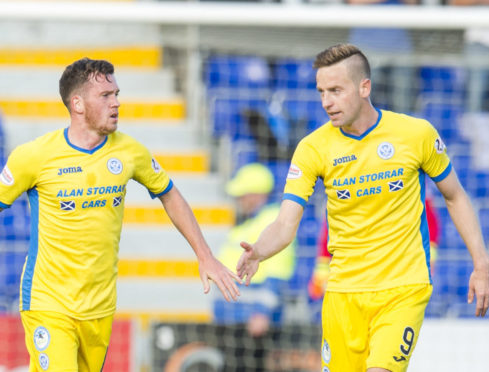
x,y
117,201
343,194
67,205
396,185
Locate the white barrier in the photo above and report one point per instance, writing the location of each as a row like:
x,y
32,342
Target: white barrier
x,y
452,345
246,14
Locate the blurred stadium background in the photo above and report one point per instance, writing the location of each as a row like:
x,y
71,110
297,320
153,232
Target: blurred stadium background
x,y
209,87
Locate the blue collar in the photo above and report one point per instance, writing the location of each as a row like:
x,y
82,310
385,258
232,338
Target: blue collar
x,y
65,132
360,137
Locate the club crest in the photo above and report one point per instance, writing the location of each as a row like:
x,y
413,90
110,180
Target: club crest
x,y
326,352
41,338
385,150
114,166
44,361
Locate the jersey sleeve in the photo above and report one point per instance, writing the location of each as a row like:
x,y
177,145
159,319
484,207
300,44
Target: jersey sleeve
x,y
303,173
150,174
19,174
435,160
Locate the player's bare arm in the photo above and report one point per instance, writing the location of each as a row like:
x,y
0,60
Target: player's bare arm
x,y
466,222
209,267
275,237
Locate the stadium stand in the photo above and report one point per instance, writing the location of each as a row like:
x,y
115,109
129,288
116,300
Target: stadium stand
x,y
258,106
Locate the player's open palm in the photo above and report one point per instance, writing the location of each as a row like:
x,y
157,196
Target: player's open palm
x,y
248,262
224,278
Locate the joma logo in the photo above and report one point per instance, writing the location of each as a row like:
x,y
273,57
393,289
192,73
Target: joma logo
x,y
344,159
68,170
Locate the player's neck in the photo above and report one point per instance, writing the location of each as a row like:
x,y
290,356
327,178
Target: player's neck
x,y
366,119
85,139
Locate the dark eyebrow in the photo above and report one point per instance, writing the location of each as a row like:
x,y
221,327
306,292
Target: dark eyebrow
x,y
110,91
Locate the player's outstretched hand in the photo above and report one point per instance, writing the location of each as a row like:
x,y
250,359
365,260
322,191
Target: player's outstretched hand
x,y
479,288
224,278
248,262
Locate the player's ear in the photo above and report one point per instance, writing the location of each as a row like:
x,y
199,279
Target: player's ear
x,y
365,88
77,104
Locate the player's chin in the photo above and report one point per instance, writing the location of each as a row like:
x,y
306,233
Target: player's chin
x,y
111,127
336,123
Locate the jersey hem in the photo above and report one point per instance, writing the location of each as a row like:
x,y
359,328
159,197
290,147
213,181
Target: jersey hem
x,y
4,206
443,174
376,289
90,316
295,198
168,188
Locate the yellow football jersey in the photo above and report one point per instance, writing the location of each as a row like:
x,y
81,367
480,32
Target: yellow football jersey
x,y
76,198
375,186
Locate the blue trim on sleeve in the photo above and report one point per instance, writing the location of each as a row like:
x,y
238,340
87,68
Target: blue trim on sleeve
x,y
295,198
65,132
4,206
443,174
367,131
33,250
168,188
423,227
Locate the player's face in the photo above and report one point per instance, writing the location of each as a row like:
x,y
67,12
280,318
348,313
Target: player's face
x,y
249,203
100,98
341,97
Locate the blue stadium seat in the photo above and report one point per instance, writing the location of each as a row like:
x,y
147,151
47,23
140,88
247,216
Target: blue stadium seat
x,y
438,304
307,235
224,71
445,116
442,99
243,152
228,115
279,169
463,166
234,84
307,112
294,74
484,221
478,186
451,279
443,79
449,236
14,242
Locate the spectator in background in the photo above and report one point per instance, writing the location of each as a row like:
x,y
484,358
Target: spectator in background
x,y
319,279
476,51
261,304
393,83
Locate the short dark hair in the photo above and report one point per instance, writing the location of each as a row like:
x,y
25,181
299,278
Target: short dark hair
x,y
78,73
340,52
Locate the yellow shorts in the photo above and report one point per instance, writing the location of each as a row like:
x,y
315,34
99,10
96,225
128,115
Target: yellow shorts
x,y
57,342
372,329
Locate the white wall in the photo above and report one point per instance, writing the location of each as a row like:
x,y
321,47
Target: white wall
x,y
452,345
